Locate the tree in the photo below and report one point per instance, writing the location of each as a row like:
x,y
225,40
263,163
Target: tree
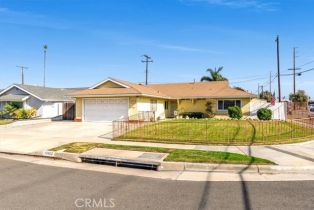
x,y
266,95
215,75
300,96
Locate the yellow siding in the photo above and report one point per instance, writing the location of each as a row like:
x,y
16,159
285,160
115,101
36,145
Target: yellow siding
x,y
78,109
109,84
200,106
132,108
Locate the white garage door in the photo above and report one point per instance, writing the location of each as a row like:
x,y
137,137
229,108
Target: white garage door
x,y
101,110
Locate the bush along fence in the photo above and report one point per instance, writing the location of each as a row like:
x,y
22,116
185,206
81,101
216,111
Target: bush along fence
x,y
206,131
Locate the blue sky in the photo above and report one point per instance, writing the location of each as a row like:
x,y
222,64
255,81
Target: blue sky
x,y
90,40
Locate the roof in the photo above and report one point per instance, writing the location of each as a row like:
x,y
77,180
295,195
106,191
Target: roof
x,y
15,98
45,93
218,89
127,89
213,89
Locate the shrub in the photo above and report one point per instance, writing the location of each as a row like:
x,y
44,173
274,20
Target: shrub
x,y
197,115
235,112
299,96
209,109
264,114
24,113
266,95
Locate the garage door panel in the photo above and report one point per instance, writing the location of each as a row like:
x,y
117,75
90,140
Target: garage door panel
x,y
105,109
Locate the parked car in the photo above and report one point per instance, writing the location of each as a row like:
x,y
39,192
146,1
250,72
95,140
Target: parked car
x,y
312,109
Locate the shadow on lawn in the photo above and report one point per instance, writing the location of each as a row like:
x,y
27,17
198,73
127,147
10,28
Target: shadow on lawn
x,y
244,188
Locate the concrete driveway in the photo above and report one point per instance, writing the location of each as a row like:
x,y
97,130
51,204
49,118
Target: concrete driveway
x,y
32,138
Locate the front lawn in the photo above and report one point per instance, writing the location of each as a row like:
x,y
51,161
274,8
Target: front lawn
x,y
175,155
5,121
231,132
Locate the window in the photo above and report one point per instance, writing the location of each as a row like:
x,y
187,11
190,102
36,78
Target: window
x,y
223,105
166,105
153,105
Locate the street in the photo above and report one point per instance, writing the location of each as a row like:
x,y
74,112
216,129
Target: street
x,y
30,186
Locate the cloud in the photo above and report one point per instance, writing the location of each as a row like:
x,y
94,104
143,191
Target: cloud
x,y
3,9
239,4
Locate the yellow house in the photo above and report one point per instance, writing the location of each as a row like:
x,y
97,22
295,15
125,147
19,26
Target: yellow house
x,y
114,99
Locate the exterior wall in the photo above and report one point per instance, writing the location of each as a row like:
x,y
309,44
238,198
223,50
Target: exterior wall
x,y
15,91
144,104
199,105
109,84
78,109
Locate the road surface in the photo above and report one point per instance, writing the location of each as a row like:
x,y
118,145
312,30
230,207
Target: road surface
x,y
30,186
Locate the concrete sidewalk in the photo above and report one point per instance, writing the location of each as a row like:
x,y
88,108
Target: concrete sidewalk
x,y
292,155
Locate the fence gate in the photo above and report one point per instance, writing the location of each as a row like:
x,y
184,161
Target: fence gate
x,y
68,111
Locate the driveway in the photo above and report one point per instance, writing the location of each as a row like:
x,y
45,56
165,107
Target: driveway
x,y
32,138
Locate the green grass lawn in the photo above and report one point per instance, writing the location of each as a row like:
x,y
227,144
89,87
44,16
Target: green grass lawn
x,y
175,155
5,121
233,132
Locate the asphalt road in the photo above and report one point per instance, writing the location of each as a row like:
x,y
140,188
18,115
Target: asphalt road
x,y
29,186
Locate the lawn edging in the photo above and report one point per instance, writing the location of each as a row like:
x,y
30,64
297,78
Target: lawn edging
x,y
174,155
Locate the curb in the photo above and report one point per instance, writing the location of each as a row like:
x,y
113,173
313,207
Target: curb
x,y
235,168
185,166
73,157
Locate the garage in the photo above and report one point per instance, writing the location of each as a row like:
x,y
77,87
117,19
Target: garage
x,y
102,110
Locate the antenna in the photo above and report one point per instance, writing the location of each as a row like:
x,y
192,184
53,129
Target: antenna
x,y
147,60
22,72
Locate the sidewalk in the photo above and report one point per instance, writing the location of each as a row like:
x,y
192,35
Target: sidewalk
x,y
292,155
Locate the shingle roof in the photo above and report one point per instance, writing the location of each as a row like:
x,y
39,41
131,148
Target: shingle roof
x,y
214,89
47,93
133,89
219,89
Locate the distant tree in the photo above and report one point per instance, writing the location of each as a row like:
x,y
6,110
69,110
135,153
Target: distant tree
x,y
300,96
215,75
266,95
239,88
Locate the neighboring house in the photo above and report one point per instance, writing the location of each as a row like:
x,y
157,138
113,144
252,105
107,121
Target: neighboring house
x,y
49,102
114,99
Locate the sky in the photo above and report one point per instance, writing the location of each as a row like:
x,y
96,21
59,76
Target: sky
x,y
90,40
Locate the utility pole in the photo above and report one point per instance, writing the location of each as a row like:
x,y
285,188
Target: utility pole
x,y
262,89
147,60
45,54
22,72
258,90
278,68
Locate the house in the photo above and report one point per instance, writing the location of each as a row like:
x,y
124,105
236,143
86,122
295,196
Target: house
x,y
49,102
114,99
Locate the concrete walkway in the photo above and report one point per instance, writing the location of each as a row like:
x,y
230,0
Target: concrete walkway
x,y
292,155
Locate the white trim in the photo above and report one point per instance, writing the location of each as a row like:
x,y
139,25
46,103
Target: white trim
x,y
227,99
106,80
12,86
118,95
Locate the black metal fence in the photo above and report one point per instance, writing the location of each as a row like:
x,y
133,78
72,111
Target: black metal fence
x,y
233,132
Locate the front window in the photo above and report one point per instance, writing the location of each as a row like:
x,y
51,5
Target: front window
x,y
223,105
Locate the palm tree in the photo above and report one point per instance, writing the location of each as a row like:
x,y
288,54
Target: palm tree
x,y
214,75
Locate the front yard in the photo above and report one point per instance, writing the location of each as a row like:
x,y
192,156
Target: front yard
x,y
230,132
5,121
175,155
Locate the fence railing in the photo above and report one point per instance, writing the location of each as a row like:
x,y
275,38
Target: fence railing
x,y
231,132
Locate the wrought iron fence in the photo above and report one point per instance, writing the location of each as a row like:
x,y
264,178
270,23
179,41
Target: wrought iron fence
x,y
232,132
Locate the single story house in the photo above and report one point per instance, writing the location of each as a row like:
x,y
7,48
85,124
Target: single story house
x,y
114,99
49,102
